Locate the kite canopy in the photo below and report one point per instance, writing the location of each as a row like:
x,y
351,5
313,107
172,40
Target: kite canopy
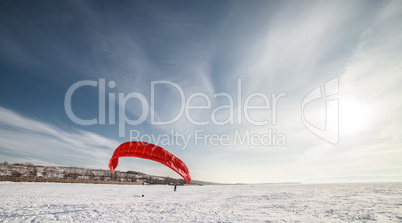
x,y
149,151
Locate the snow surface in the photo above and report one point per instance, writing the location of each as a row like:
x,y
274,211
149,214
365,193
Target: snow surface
x,y
50,202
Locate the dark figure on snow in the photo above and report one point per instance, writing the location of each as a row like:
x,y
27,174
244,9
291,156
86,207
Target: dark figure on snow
x,y
175,187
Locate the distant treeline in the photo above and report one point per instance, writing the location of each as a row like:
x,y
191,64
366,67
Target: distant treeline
x,y
36,173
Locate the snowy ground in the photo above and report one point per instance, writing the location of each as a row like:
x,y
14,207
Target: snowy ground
x,y
48,202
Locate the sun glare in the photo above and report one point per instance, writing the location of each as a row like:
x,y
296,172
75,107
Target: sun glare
x,y
354,116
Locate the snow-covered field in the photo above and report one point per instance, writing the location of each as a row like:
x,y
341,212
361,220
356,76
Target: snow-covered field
x,y
49,202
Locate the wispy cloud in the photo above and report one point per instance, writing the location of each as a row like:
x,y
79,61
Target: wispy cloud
x,y
24,138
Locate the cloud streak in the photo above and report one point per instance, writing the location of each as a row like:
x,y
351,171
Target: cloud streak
x,y
25,137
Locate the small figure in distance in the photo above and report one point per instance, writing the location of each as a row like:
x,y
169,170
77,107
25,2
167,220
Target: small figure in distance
x,y
175,187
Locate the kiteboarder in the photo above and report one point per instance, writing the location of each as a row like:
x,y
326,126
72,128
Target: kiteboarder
x,y
175,186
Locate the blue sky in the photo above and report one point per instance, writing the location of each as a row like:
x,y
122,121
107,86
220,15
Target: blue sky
x,y
209,50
